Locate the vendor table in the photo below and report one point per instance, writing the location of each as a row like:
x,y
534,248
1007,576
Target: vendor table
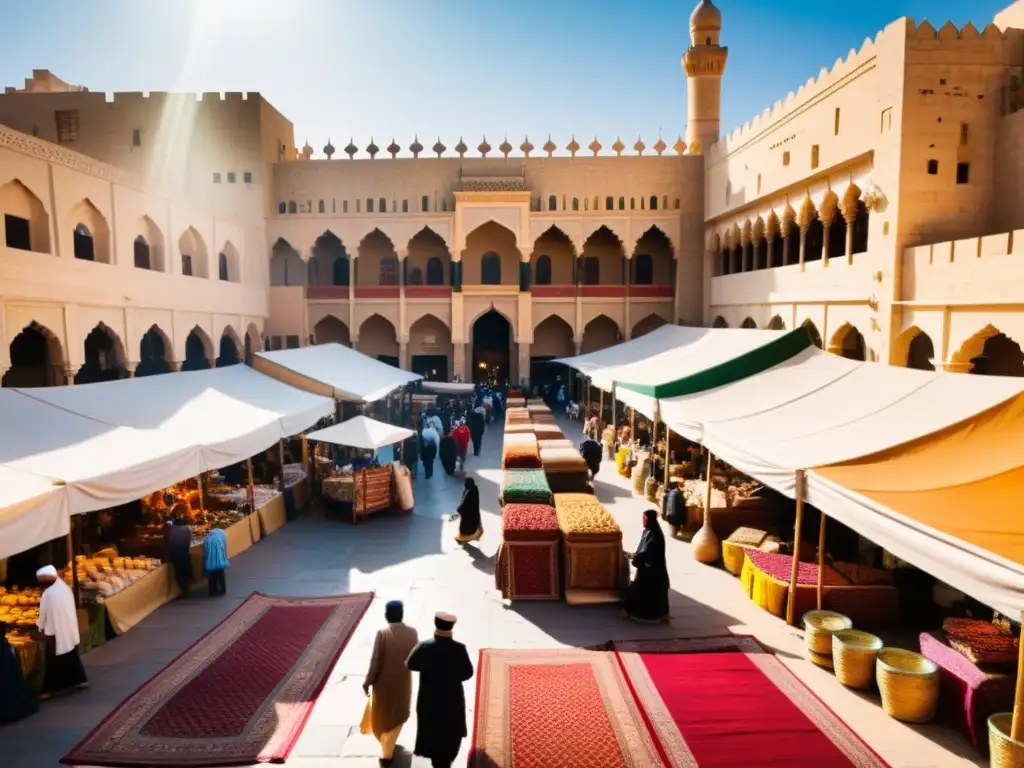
x,y
132,604
273,515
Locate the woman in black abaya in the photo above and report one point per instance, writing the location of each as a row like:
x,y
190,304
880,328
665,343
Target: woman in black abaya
x,y
647,595
468,514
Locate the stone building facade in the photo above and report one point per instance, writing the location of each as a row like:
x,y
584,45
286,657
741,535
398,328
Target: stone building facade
x,y
877,202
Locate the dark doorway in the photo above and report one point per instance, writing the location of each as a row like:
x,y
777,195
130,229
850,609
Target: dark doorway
x,y
389,359
492,342
431,367
85,248
32,362
17,232
543,371
228,352
152,355
195,354
101,359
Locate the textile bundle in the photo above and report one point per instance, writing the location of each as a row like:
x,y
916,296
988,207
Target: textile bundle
x,y
517,414
520,452
566,470
525,486
516,402
547,432
519,428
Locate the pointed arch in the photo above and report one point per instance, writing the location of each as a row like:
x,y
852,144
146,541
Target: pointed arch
x,y
329,262
776,324
600,333
553,259
378,338
552,337
719,322
155,350
194,256
848,342
378,260
37,358
198,350
26,222
104,356
230,348
814,333
148,246
496,246
91,232
330,330
428,252
653,258
430,347
286,267
603,259
650,323
229,264
915,349
748,322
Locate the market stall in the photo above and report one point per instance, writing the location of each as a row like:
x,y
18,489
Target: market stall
x,y
367,490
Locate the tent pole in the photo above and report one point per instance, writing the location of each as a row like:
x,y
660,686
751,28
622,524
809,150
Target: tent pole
x,y
791,597
280,456
600,412
614,424
821,561
251,490
668,461
1017,724
202,501
632,424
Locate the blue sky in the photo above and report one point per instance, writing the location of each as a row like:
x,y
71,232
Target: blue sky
x,y
452,68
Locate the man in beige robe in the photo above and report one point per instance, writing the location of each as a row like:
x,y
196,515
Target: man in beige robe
x,y
390,680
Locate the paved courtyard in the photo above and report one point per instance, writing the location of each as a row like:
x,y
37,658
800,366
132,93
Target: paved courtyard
x,y
415,559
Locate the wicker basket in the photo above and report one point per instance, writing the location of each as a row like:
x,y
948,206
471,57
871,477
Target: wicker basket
x,y
1004,752
854,654
909,684
819,626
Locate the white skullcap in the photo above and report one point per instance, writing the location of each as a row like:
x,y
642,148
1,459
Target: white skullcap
x,y
47,570
450,618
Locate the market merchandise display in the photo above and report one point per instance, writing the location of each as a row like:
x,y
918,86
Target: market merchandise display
x,y
525,486
591,546
559,443
517,416
19,606
520,451
107,573
521,428
528,522
566,470
547,431
581,515
527,562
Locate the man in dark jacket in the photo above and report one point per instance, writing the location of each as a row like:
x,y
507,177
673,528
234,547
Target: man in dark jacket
x,y
476,430
444,665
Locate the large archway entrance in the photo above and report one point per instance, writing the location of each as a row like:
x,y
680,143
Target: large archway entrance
x,y
552,339
492,349
153,350
37,359
1000,356
104,357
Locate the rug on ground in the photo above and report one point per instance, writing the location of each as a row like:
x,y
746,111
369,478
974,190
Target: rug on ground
x,y
693,703
240,695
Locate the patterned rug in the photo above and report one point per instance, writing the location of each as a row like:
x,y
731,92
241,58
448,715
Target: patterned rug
x,y
240,695
726,701
564,707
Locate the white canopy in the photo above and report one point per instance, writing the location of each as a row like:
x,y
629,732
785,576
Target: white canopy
x,y
77,449
231,413
600,365
362,432
334,370
448,387
818,408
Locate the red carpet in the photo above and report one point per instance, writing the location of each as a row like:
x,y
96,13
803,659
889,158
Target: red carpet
x,y
240,695
718,702
557,708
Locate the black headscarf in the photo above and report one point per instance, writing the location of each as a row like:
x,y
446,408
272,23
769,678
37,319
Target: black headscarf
x,y
650,553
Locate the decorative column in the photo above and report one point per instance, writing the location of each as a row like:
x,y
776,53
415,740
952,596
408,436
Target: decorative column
x,y
353,332
755,245
785,229
627,315
827,216
459,361
803,246
577,347
403,355
849,213
69,374
744,242
130,369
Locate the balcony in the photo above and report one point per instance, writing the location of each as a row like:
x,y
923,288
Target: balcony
x,y
428,292
327,292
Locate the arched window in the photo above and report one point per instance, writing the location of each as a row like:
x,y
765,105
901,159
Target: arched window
x,y
632,203
312,271
389,271
435,271
415,276
141,249
84,246
222,267
382,206
586,203
543,276
282,207
654,202
292,208
552,203
664,202
575,203
490,269
676,206
609,204
622,203
339,271
425,203
369,205
643,271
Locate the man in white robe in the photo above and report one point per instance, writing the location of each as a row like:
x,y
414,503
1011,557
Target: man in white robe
x,y
58,621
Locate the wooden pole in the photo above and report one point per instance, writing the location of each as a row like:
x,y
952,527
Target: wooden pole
x,y
791,597
615,425
632,424
202,501
280,456
76,590
1017,724
668,438
600,411
821,561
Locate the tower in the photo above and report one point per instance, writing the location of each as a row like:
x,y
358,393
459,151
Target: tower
x,y
704,63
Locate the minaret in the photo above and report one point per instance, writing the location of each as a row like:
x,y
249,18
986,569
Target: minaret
x,y
704,64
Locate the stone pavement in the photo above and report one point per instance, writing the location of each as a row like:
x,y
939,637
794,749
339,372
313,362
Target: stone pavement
x,y
415,559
